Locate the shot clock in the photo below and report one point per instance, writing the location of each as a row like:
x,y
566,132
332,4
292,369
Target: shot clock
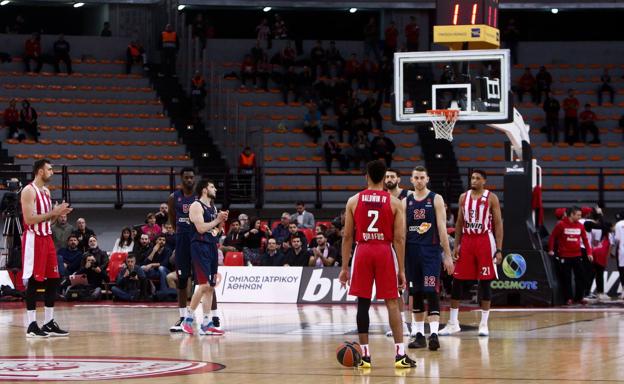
x,y
467,12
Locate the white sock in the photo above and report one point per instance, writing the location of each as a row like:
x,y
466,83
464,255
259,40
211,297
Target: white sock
x,y
182,312
454,314
365,350
49,314
484,317
32,316
207,319
190,313
214,313
399,348
434,326
420,327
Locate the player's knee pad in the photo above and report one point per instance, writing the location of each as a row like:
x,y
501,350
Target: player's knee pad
x,y
433,301
456,290
362,318
485,291
419,301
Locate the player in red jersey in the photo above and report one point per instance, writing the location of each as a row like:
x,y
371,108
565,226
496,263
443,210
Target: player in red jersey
x,y
378,220
38,252
477,249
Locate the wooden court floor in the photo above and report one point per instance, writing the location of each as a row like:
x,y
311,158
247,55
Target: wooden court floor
x,y
279,343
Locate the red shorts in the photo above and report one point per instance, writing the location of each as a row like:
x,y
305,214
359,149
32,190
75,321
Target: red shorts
x,y
39,257
476,258
374,263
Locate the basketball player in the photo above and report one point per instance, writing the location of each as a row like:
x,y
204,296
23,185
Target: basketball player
x,y
179,203
40,265
378,220
392,182
476,249
205,233
426,232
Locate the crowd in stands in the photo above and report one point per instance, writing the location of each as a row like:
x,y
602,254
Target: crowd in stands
x,y
21,124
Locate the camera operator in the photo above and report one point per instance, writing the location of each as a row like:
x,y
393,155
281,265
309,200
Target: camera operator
x,y
10,212
131,281
96,276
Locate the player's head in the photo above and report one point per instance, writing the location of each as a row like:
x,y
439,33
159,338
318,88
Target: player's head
x,y
42,169
187,174
420,178
206,187
478,177
375,171
392,179
575,213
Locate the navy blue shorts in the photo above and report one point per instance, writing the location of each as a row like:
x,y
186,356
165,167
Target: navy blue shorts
x,y
423,264
205,262
183,258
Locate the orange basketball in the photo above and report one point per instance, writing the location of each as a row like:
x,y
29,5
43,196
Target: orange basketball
x,y
349,354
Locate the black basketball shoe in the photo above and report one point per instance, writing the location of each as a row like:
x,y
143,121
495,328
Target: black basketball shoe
x,y
34,332
418,341
365,362
177,327
52,329
404,362
216,322
434,343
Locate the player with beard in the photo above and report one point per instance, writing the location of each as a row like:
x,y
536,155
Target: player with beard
x,y
477,248
426,241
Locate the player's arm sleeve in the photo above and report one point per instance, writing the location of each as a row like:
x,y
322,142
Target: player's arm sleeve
x,y
440,212
171,211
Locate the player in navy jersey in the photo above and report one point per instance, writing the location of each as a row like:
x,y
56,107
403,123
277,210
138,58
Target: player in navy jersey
x,y
206,225
426,240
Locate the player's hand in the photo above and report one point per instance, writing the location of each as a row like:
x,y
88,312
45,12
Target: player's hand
x,y
344,277
61,209
222,216
456,254
498,258
401,280
126,273
449,266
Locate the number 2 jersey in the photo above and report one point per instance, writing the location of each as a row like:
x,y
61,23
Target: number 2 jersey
x,y
373,217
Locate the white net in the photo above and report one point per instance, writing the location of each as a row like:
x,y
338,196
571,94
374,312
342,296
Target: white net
x,y
443,128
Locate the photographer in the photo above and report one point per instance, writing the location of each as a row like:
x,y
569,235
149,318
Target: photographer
x,y
10,211
95,274
130,283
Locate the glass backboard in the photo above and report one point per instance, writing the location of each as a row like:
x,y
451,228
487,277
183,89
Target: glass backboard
x,y
476,82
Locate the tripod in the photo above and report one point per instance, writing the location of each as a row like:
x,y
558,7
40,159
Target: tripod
x,y
10,254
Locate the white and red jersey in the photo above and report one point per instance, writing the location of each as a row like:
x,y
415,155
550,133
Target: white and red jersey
x,y
43,205
477,214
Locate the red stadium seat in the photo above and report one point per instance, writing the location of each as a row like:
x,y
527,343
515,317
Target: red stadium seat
x,y
309,234
116,260
234,259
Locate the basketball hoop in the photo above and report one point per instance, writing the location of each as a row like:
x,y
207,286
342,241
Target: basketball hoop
x,y
443,128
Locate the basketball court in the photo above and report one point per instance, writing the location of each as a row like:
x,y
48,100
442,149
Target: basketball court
x,y
268,343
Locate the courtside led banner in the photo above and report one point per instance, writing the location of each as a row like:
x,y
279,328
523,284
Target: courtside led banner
x,y
258,284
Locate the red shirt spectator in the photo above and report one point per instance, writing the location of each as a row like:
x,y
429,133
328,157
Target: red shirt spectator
x,y
568,235
32,48
527,81
392,36
571,105
412,34
151,229
11,114
588,116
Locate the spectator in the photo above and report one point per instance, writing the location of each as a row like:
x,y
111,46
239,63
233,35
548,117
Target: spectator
x,y
570,119
143,249
323,255
412,35
61,50
252,241
170,236
372,107
280,32
131,284
198,92
605,86
96,275
124,244
344,124
169,45
69,258
383,148
83,233
302,218
151,229
297,255
247,161
527,84
162,216
244,222
233,241
28,120
360,149
61,231
391,40
280,232
263,72
106,31
332,151
588,124
12,120
289,84
305,85
371,39
568,235
551,108
135,54
155,263
94,250
312,122
320,228
288,55
511,35
318,60
263,34
294,232
32,51
544,81
272,257
333,235
248,71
